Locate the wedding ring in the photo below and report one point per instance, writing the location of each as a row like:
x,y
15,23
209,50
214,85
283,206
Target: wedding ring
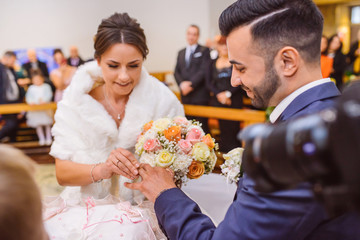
x,y
117,164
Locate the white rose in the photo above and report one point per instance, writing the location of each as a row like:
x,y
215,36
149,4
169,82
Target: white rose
x,y
139,146
148,158
161,124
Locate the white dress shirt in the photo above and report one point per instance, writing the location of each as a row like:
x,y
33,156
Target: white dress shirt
x,y
280,108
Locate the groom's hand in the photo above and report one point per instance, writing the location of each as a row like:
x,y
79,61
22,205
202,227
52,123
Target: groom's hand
x,y
154,181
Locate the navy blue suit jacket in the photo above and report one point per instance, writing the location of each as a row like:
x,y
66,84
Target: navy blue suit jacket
x,y
284,215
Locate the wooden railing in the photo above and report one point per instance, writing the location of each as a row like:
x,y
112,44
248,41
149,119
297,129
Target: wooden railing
x,y
250,116
244,115
20,107
161,75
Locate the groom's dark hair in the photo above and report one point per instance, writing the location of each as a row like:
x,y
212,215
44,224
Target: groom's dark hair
x,y
276,24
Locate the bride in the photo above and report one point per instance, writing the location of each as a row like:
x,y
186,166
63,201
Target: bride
x,y
95,131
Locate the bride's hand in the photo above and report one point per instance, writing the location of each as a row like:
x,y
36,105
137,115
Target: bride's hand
x,y
121,162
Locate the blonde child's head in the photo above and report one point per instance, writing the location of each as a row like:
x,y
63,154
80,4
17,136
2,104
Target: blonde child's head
x,y
37,77
20,199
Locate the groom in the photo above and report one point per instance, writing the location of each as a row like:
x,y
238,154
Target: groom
x,y
274,47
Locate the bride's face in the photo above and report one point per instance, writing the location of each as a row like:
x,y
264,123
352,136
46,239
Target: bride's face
x,y
121,67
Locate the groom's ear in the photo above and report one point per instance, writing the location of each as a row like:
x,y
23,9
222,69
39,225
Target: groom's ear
x,y
287,61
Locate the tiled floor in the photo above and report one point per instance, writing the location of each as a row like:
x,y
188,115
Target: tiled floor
x,y
46,179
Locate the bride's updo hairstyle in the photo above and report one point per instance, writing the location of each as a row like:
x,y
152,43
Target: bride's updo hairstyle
x,y
119,28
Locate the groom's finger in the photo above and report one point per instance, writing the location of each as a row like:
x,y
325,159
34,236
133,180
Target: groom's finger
x,y
142,172
133,186
146,167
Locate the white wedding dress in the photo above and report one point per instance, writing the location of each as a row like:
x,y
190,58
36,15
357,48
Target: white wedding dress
x,y
85,133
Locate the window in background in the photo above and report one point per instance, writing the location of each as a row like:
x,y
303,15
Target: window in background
x,y
355,15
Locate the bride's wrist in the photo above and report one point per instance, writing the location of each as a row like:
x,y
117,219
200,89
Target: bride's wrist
x,y
95,173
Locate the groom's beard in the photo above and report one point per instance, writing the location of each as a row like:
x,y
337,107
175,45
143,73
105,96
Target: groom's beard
x,y
264,92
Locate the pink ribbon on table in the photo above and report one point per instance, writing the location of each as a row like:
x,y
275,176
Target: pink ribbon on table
x,y
125,206
47,214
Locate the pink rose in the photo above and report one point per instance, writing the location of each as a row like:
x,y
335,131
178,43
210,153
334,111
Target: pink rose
x,y
194,135
185,146
151,145
181,121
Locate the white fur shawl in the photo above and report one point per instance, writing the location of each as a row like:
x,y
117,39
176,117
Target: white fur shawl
x,y
84,132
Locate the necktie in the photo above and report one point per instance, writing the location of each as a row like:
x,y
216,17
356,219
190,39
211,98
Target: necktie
x,y
189,59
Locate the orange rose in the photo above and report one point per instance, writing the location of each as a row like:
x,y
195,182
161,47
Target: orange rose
x,y
196,170
207,139
148,125
173,133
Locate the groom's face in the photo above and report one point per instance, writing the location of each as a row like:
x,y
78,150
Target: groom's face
x,y
250,71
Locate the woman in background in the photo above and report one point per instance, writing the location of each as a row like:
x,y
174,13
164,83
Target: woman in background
x,y
334,51
326,62
224,95
61,77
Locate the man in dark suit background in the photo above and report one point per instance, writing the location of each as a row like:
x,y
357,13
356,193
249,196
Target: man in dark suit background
x,y
191,66
274,47
35,64
74,60
10,92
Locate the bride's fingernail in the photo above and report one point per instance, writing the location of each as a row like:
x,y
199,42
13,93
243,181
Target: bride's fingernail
x,y
136,172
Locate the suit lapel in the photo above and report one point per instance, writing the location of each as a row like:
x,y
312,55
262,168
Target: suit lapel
x,y
182,57
320,92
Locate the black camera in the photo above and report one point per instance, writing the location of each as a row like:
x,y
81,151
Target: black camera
x,y
322,148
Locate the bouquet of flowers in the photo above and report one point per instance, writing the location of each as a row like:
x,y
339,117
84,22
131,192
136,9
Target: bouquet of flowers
x,y
231,168
178,144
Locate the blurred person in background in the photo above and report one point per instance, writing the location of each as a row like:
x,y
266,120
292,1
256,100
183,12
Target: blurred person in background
x,y
191,67
74,60
40,93
326,62
10,92
334,51
9,59
61,77
34,64
224,95
354,55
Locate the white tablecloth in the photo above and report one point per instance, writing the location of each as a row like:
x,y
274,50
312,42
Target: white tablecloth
x,y
212,194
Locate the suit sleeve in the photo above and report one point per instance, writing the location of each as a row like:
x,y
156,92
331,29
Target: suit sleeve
x,y
198,78
177,73
290,214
